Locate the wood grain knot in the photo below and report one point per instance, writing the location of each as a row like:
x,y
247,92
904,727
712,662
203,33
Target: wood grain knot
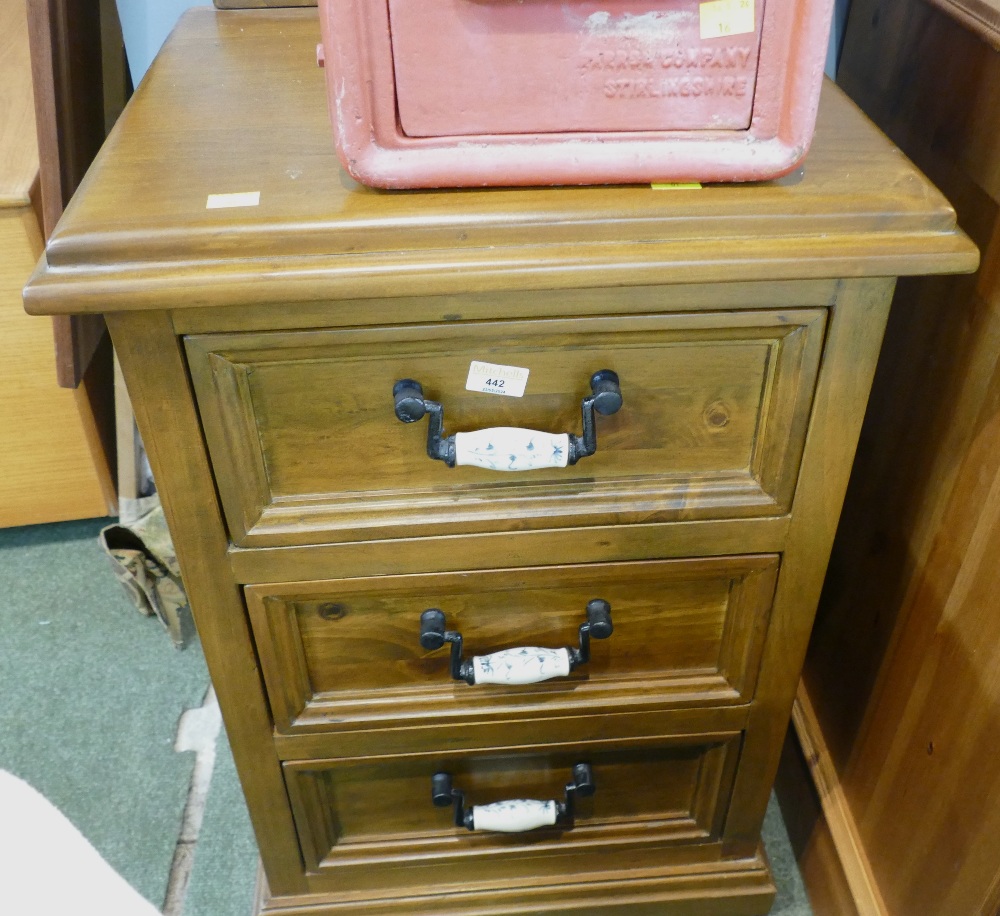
x,y
716,415
330,610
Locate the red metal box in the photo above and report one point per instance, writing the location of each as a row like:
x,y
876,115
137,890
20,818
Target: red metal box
x,y
449,93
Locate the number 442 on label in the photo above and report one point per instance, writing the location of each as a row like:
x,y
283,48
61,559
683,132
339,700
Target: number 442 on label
x,y
491,378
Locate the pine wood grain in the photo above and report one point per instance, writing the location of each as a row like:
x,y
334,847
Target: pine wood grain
x,y
47,473
909,608
153,362
334,238
810,836
790,281
713,421
66,67
345,653
498,550
850,851
851,353
651,794
18,145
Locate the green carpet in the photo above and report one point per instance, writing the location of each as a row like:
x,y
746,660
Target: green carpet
x,y
92,694
792,899
225,861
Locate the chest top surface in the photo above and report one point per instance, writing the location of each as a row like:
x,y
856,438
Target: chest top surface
x,y
235,105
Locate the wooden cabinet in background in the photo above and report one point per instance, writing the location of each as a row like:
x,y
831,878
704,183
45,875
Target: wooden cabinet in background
x,y
272,352
901,696
48,470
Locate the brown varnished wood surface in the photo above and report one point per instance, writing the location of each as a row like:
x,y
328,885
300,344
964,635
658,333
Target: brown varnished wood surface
x,y
498,550
510,304
714,416
793,280
902,666
858,209
726,888
18,145
980,16
66,63
152,359
47,473
407,736
651,794
812,842
851,353
336,654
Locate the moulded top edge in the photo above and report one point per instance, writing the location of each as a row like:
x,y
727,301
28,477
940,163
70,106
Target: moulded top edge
x,y
259,136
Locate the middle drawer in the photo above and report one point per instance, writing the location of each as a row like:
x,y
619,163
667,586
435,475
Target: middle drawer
x,y
376,652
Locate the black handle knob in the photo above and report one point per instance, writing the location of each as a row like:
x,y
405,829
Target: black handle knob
x,y
523,665
517,815
408,396
599,618
607,392
605,398
432,629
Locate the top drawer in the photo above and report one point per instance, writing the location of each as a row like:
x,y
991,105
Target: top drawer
x,y
307,448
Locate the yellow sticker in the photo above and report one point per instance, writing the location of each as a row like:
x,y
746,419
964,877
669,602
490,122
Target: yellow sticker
x,y
675,186
722,18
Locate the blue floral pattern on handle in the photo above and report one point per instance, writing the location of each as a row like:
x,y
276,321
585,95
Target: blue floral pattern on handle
x,y
509,448
525,665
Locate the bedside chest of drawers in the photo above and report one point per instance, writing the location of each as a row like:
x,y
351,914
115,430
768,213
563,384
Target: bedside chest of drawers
x,y
483,653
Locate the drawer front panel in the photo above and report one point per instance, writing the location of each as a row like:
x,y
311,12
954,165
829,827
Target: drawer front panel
x,y
307,448
347,654
354,817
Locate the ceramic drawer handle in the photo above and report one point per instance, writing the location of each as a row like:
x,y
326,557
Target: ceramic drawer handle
x,y
509,448
525,665
518,814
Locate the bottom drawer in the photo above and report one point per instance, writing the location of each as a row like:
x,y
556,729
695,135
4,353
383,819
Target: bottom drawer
x,y
370,824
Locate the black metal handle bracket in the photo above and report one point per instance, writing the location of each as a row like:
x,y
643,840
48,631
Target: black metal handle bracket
x,y
515,666
410,406
518,814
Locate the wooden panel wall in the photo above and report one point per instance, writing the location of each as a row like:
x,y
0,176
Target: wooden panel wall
x,y
904,666
69,104
47,472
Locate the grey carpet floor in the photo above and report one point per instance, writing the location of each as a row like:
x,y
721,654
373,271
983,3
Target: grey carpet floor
x,y
92,692
91,695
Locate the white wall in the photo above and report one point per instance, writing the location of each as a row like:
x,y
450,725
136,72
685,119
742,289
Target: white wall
x,y
840,11
145,26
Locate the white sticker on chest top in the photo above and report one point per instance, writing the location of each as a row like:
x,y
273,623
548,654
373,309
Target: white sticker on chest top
x,y
490,378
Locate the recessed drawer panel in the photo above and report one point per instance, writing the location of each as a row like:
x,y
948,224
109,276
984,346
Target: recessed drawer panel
x,y
375,652
307,447
372,823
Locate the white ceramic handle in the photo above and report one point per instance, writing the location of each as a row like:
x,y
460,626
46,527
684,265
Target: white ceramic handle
x,y
509,448
514,816
527,665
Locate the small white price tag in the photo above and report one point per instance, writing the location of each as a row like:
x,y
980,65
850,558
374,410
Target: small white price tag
x,y
722,18
223,201
493,379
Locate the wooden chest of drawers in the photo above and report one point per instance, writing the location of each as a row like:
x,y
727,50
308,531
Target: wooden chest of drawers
x,y
600,651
